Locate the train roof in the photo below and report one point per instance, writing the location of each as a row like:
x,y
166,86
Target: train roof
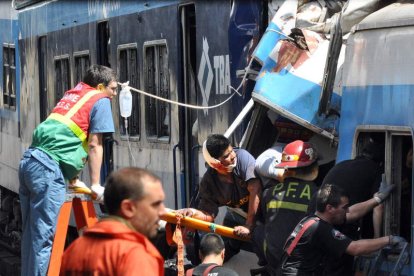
x,y
394,15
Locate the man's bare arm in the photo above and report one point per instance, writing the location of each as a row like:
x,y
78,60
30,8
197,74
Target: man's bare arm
x,y
360,209
95,157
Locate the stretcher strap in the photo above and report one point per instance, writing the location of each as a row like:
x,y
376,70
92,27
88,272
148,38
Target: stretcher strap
x,y
305,227
178,239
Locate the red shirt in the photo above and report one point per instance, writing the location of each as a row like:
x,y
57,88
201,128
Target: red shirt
x,y
111,248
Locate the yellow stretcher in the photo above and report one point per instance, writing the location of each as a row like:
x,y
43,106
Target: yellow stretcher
x,y
202,225
198,224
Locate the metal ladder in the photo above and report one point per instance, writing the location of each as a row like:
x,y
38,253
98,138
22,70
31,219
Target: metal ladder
x,y
85,216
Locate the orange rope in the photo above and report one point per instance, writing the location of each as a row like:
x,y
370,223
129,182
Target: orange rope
x,y
178,239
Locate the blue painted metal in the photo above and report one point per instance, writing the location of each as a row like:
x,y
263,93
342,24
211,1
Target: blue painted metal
x,y
373,105
377,83
268,42
295,98
294,90
243,33
54,17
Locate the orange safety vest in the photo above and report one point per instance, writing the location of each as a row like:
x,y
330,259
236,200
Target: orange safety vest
x,y
64,134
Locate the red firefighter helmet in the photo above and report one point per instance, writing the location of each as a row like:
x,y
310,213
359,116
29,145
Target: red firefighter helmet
x,y
298,154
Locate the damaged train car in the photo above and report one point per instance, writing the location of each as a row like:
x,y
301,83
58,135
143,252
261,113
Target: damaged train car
x,y
335,73
340,83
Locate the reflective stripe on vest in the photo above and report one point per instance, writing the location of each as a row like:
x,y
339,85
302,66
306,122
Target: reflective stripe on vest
x,y
66,119
277,204
299,235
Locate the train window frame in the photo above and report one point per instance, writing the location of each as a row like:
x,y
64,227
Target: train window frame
x,y
81,56
20,4
135,119
59,81
154,120
9,76
103,38
42,67
395,136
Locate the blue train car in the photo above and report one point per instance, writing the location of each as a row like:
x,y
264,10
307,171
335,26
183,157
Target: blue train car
x,y
377,101
170,48
370,98
184,51
10,91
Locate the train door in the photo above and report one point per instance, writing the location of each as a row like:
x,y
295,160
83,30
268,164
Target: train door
x,y
103,58
397,165
188,117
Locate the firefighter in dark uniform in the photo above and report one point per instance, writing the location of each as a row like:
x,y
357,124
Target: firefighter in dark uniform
x,y
315,238
360,179
288,181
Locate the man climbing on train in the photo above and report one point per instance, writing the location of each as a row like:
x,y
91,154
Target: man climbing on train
x,y
61,145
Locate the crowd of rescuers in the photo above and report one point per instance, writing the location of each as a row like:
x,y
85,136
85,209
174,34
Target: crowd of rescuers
x,y
134,198
283,181
288,178
285,189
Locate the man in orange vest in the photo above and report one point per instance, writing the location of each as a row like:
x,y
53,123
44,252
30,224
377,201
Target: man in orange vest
x,y
61,145
118,244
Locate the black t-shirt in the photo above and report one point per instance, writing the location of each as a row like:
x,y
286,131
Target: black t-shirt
x,y
213,193
310,254
360,178
283,205
216,271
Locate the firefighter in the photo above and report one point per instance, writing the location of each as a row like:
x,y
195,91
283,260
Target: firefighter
x,y
288,180
315,238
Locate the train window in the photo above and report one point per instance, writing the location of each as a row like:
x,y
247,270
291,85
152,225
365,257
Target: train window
x,y
81,65
19,4
103,39
62,76
42,54
157,82
128,71
9,76
398,149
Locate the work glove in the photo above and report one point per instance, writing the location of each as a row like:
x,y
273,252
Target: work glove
x,y
78,186
397,243
98,192
394,240
384,190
